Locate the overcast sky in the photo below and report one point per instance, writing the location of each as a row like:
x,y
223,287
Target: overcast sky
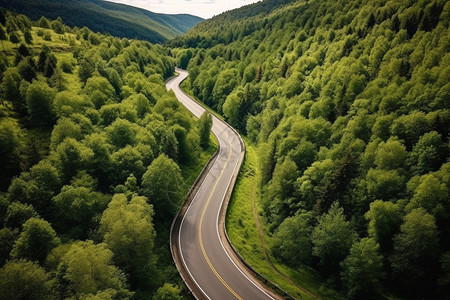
x,y
202,8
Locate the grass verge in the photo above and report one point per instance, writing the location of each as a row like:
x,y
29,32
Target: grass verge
x,y
245,225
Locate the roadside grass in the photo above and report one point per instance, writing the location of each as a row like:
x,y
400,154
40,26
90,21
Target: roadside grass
x,y
243,231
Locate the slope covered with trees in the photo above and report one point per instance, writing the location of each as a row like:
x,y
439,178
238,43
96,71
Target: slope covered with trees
x,y
349,105
96,159
102,16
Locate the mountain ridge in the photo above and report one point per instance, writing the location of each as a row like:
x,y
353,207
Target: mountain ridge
x,y
116,19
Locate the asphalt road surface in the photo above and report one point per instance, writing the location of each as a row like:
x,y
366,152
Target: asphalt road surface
x,y
201,250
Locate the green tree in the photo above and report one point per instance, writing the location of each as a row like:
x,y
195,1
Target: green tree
x,y
162,185
205,124
58,25
7,240
410,127
36,240
280,191
121,133
86,70
10,88
292,239
115,80
231,107
3,37
10,151
77,210
87,268
428,154
414,262
385,184
27,69
66,66
66,103
184,59
28,37
362,270
63,129
40,103
43,22
332,239
14,37
168,292
21,280
224,85
384,219
431,194
99,84
128,231
126,161
44,185
391,155
70,157
100,163
18,213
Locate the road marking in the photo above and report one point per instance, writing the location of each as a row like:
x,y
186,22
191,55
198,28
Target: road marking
x,y
189,101
200,229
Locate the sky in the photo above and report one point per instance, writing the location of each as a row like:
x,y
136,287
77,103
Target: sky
x,y
202,8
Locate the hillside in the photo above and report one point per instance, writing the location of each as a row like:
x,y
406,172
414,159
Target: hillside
x,y
106,17
348,105
96,158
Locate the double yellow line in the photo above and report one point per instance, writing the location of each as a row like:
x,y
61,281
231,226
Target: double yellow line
x,y
200,240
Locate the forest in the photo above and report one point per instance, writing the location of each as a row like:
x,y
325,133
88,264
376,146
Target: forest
x,y
348,106
96,158
106,17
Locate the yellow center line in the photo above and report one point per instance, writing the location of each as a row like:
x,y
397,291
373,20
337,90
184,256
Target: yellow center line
x,y
200,231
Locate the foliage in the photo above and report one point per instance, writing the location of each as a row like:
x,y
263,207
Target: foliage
x,y
35,241
205,124
362,270
416,251
83,116
88,268
10,151
292,240
168,292
162,183
345,101
22,279
128,231
332,239
115,19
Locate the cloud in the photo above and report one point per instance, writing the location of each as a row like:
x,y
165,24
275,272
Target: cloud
x,y
202,8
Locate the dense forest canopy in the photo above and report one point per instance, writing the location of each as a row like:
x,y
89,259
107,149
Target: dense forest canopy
x,y
106,17
349,104
96,159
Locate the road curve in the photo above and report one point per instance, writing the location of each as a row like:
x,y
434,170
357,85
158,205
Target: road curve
x,y
201,252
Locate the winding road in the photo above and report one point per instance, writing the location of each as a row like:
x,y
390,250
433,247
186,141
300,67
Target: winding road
x,y
200,249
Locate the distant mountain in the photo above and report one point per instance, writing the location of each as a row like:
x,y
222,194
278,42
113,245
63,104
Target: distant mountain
x,y
116,19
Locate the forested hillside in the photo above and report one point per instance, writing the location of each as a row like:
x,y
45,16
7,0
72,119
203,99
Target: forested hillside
x,y
96,157
349,105
109,18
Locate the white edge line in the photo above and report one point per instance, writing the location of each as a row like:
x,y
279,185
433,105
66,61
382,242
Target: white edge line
x,y
217,218
218,235
181,227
